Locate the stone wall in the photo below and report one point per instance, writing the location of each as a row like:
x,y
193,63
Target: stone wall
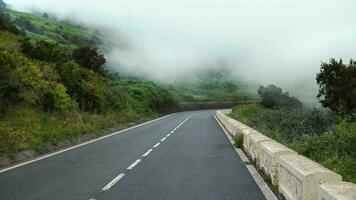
x,y
297,177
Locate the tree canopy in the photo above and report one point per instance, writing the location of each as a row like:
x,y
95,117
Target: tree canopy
x,y
273,97
337,82
89,58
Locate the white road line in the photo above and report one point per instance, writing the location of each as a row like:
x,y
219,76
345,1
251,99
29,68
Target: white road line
x,y
168,135
163,139
92,199
172,132
156,145
112,183
134,164
148,152
79,145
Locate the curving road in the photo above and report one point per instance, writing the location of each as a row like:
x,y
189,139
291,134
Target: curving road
x,y
184,156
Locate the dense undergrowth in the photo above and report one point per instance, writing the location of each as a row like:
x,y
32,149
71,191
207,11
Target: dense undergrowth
x,y
317,134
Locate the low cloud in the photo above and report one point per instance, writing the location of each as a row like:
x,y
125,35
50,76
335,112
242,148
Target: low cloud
x,y
266,41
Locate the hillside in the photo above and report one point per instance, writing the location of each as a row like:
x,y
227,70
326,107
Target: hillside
x,y
55,86
49,28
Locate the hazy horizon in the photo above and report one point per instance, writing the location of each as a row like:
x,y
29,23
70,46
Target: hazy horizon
x,y
266,41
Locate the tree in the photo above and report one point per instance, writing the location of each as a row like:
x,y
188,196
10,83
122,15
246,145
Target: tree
x,y
337,82
89,58
273,97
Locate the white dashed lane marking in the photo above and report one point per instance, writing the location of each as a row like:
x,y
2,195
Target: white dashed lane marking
x,y
156,145
134,164
112,183
148,152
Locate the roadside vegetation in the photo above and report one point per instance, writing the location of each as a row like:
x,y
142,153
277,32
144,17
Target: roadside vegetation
x,y
325,135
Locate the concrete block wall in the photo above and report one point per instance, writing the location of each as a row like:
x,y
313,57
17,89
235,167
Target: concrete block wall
x,y
297,177
270,154
254,150
300,177
343,190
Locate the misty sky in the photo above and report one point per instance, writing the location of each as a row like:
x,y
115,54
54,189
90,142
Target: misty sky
x,y
278,41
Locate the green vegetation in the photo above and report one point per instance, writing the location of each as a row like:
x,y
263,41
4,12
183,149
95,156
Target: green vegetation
x,y
315,133
239,140
214,84
44,27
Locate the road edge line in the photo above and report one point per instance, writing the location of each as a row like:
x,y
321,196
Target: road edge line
x,y
80,145
266,190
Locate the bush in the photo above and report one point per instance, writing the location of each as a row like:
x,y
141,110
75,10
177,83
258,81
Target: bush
x,y
273,97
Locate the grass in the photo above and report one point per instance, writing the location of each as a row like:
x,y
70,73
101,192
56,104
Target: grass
x,y
239,140
29,128
313,133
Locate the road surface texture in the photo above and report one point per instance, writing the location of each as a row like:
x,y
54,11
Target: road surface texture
x,y
184,156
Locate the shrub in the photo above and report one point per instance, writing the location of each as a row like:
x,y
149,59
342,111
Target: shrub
x,y
273,97
239,140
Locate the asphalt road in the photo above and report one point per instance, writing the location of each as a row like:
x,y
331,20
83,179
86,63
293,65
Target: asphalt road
x,y
159,160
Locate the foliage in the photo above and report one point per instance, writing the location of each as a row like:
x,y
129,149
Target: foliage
x,y
89,58
214,84
32,83
239,140
337,83
150,95
5,23
314,133
9,42
43,51
273,97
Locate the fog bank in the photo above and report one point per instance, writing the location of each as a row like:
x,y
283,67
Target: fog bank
x,y
267,41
